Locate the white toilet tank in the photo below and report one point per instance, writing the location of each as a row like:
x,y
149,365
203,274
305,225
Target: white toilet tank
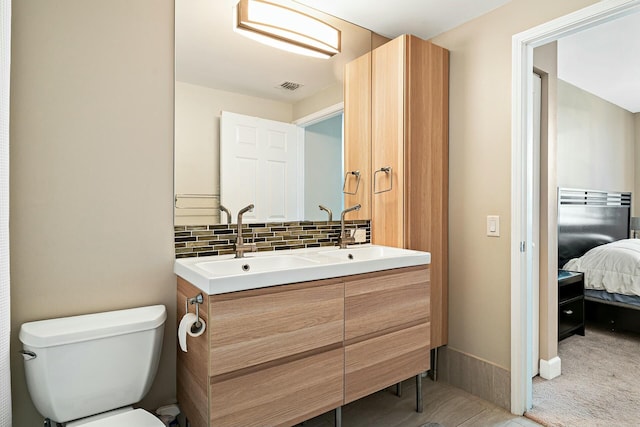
x,y
93,363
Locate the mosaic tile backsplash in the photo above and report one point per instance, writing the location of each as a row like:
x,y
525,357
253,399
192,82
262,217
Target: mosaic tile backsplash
x,y
204,240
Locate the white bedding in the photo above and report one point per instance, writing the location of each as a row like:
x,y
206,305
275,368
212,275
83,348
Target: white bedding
x,y
613,267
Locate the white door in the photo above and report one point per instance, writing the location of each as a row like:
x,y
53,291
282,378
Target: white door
x,y
259,164
535,335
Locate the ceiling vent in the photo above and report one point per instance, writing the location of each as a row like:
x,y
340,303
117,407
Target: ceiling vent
x,y
290,86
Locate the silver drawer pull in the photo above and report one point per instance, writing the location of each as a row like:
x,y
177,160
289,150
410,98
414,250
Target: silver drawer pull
x,y
568,312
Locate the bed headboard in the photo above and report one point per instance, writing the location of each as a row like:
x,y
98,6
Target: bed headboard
x,y
589,218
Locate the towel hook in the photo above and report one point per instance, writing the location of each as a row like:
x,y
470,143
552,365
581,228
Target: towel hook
x,y
388,171
346,176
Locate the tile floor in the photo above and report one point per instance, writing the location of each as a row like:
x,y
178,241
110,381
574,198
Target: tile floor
x,y
443,404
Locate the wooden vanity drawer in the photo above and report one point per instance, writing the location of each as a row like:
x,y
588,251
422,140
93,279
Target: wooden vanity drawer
x,y
379,302
281,395
250,328
377,363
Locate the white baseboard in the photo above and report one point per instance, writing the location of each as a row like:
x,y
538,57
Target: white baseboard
x,y
549,369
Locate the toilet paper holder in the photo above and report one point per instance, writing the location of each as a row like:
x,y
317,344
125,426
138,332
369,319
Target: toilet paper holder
x,y
197,300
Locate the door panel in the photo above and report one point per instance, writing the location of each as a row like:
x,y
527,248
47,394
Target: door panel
x,y
259,164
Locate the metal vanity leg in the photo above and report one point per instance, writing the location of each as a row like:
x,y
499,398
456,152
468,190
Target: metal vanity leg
x,y
338,414
435,364
399,389
419,393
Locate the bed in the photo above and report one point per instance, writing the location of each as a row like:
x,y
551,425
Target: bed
x,y
593,231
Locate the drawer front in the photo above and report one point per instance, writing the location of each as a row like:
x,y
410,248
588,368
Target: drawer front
x,y
382,301
283,395
254,327
377,363
570,315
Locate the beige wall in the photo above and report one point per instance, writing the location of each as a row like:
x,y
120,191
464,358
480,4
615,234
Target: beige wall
x,y
480,173
596,142
197,139
91,169
327,97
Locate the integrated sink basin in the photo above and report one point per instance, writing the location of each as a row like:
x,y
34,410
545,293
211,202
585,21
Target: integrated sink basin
x,y
253,264
224,273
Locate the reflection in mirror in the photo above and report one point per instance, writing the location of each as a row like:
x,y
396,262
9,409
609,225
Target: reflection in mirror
x,y
220,70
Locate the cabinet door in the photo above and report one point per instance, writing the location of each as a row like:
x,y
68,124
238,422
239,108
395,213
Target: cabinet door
x,y
357,135
426,169
387,143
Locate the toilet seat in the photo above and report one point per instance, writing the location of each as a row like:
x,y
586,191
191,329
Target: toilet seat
x,y
130,418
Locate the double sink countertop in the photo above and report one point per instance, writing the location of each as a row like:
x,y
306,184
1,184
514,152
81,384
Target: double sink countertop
x,y
225,273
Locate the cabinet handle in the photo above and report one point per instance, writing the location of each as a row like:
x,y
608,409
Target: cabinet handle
x,y
568,312
389,171
346,176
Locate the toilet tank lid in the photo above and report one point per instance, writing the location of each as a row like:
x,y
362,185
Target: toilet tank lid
x,y
66,330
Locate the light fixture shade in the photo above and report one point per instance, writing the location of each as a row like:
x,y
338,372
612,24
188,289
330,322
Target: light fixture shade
x,y
635,223
286,29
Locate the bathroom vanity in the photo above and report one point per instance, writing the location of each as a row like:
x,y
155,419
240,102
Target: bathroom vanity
x,y
280,350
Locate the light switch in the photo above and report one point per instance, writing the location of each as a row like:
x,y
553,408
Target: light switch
x,y
493,226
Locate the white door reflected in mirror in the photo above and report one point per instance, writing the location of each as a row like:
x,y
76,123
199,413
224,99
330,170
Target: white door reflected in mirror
x,y
260,164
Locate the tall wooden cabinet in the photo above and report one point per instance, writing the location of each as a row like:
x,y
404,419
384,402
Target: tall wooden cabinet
x,y
401,121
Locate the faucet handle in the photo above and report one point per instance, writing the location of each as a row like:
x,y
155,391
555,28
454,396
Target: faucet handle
x,y
251,243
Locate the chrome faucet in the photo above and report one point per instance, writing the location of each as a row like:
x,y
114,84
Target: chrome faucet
x,y
344,240
225,210
324,208
240,246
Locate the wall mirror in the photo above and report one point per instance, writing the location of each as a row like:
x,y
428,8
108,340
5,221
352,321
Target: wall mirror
x,y
218,70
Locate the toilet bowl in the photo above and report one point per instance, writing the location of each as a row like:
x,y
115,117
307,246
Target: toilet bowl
x,y
88,370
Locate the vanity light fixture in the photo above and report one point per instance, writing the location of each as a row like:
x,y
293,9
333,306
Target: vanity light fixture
x,y
286,29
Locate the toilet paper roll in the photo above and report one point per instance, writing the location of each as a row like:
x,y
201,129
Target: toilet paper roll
x,y
185,328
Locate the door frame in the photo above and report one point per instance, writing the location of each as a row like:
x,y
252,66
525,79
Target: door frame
x,y
535,291
522,200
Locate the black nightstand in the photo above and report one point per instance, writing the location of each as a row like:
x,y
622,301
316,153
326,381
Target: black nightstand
x,y
570,303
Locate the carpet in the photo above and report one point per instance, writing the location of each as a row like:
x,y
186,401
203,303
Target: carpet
x,y
599,385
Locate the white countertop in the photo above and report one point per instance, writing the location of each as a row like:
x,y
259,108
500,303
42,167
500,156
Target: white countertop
x,y
224,273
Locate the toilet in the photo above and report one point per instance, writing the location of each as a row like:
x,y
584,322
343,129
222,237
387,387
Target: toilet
x,y
88,370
